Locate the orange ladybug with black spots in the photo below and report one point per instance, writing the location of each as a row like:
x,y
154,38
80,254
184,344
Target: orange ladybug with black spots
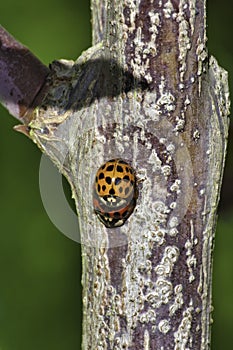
x,y
115,192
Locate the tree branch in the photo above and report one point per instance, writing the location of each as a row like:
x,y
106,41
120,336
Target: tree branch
x,y
22,76
146,92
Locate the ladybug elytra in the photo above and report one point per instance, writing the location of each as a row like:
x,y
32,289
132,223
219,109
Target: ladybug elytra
x,y
115,192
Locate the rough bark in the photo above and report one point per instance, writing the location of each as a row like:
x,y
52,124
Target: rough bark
x,y
147,92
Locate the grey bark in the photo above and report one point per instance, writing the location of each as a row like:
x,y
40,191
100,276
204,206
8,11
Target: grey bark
x,y
147,92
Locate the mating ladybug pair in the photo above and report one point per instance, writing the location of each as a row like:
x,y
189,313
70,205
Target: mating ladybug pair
x,y
115,192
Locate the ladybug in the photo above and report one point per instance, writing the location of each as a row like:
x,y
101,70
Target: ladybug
x,y
115,192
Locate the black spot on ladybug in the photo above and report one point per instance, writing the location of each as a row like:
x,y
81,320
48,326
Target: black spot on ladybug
x,y
117,181
112,192
119,169
110,168
120,161
108,180
126,177
99,188
117,215
101,176
103,188
126,191
96,179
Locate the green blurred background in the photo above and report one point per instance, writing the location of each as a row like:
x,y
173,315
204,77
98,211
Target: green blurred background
x,y
40,269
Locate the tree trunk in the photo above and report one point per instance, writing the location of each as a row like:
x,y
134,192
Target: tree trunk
x,y
146,92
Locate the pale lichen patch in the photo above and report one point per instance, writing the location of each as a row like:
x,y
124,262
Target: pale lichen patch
x,y
196,134
148,316
192,9
164,326
165,267
184,39
146,340
178,300
191,260
168,9
159,294
183,336
175,187
173,232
